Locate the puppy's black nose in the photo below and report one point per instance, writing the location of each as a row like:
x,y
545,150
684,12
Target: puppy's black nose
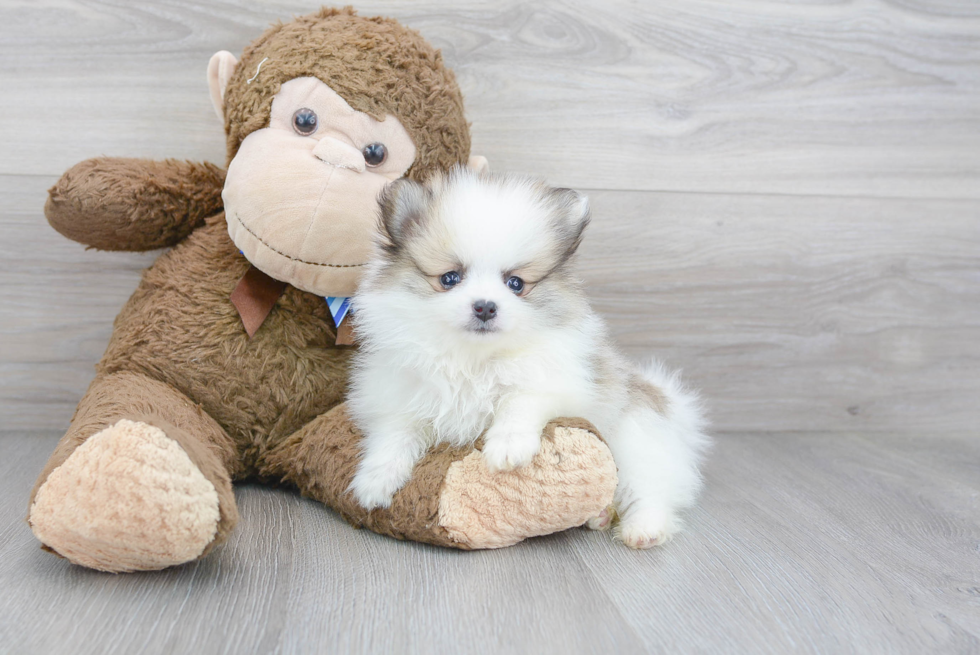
x,y
485,309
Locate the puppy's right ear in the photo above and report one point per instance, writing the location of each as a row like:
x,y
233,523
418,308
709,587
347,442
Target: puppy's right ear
x,y
404,204
572,214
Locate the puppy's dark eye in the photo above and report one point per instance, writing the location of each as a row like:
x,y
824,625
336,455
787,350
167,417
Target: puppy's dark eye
x,y
375,154
304,121
449,280
515,284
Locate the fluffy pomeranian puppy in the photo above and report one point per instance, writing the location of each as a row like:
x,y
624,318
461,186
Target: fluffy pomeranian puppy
x,y
470,322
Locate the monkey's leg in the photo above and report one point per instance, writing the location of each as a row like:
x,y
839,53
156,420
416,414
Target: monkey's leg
x,y
141,481
452,498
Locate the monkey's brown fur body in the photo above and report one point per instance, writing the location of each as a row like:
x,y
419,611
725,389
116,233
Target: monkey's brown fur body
x,y
184,402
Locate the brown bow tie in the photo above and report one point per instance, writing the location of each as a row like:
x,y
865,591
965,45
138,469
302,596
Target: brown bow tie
x,y
256,294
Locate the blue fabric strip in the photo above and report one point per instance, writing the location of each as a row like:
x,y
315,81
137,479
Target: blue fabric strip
x,y
339,307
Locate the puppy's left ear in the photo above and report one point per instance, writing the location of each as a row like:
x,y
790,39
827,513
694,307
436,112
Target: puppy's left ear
x,y
572,214
404,204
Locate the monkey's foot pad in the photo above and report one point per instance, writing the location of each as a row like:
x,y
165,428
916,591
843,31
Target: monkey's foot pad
x,y
571,480
128,499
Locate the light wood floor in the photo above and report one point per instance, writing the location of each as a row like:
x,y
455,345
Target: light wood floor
x,y
802,543
787,207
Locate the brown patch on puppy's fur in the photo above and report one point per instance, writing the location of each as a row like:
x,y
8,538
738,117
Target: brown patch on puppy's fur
x,y
650,394
571,216
405,207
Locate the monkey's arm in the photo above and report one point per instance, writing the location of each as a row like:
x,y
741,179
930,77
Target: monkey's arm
x,y
113,203
452,499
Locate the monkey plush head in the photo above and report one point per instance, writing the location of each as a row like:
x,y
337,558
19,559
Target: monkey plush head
x,y
320,114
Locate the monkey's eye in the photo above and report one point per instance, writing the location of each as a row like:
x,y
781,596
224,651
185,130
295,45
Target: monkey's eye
x,y
449,280
515,284
375,154
304,121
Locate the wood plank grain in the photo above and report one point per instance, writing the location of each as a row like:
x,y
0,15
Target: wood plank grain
x,y
805,98
815,543
809,543
788,312
798,313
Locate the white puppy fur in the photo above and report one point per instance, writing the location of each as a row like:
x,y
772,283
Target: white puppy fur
x,y
434,367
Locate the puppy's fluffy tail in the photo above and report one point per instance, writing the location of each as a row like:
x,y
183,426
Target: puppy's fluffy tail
x,y
684,408
658,447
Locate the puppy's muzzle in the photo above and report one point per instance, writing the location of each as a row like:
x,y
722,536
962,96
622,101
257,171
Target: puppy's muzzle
x,y
484,310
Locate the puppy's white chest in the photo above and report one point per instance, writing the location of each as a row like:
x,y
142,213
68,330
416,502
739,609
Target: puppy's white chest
x,y
467,402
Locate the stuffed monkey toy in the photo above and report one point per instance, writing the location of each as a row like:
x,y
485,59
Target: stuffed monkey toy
x,y
229,361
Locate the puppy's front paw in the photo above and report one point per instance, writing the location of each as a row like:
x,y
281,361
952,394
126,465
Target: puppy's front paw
x,y
506,450
604,521
647,527
375,487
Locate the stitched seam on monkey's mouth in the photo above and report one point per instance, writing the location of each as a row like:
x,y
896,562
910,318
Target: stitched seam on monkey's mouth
x,y
295,259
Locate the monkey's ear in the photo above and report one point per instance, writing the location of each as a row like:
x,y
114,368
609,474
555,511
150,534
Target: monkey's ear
x,y
220,68
572,213
404,204
478,164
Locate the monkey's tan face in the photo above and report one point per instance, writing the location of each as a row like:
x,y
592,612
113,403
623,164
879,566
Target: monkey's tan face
x,y
301,195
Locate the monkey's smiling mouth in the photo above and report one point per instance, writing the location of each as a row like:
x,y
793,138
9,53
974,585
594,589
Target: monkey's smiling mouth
x,y
290,257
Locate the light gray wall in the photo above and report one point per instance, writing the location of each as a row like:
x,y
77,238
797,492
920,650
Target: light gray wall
x,y
787,202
